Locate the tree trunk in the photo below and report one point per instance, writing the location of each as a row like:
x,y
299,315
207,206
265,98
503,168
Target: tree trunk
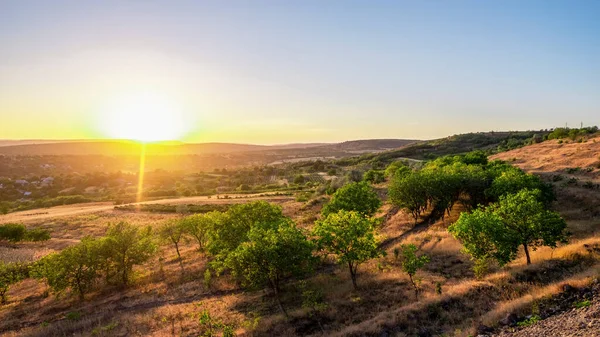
x,y
414,286
179,257
353,275
527,253
279,300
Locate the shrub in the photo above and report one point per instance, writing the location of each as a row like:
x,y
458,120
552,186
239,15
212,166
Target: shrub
x,y
77,267
12,232
126,246
358,197
272,254
37,234
10,273
350,237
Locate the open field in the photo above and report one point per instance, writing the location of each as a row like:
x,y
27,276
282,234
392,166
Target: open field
x,y
165,301
88,208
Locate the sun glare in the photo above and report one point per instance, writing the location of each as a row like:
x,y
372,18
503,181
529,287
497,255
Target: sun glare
x,y
143,117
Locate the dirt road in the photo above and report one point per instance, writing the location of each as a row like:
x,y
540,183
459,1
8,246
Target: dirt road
x,y
87,208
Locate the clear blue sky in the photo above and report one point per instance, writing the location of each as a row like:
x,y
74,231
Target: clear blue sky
x,y
298,71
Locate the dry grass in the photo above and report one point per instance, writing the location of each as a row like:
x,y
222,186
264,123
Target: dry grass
x,y
163,303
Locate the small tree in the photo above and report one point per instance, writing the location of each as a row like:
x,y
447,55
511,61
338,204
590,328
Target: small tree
x,y
350,237
76,267
231,228
272,254
525,217
357,197
484,237
411,263
409,192
125,246
198,226
396,168
10,273
173,231
499,230
374,176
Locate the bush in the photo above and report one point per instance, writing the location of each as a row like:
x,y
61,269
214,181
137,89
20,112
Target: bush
x,y
17,232
37,234
12,232
126,246
10,274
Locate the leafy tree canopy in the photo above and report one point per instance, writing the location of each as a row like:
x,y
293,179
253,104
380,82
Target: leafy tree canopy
x,y
357,197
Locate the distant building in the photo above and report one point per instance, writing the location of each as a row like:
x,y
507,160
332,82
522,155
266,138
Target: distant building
x,y
21,182
26,194
48,181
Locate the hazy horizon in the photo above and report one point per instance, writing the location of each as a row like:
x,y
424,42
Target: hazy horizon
x,y
269,72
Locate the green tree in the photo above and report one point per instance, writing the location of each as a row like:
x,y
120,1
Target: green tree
x,y
231,228
12,232
411,263
525,217
76,267
198,226
10,273
358,197
409,192
173,231
516,220
396,168
484,237
350,237
374,176
512,180
126,246
273,253
299,179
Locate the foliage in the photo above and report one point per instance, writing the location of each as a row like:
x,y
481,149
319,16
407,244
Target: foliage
x,y
173,231
273,253
10,273
483,236
516,220
17,232
350,237
198,226
37,234
231,228
513,180
411,263
357,197
125,246
77,267
374,176
396,168
12,232
529,321
409,193
526,220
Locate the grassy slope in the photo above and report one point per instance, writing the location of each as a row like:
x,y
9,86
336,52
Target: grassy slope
x,y
164,304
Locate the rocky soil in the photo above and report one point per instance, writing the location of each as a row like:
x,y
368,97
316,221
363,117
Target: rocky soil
x,y
575,312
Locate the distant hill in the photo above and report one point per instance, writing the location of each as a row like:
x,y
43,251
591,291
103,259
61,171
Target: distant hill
x,y
490,142
370,144
119,147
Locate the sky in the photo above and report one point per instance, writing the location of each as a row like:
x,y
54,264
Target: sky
x,y
272,72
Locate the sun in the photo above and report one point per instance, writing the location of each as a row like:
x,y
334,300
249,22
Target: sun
x,y
144,117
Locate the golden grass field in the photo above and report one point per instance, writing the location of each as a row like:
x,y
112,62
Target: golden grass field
x,y
165,303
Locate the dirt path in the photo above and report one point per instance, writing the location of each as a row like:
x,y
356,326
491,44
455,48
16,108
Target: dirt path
x,y
88,208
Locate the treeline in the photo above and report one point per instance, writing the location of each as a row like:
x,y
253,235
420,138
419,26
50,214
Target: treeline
x,y
506,208
260,247
254,242
13,232
15,206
